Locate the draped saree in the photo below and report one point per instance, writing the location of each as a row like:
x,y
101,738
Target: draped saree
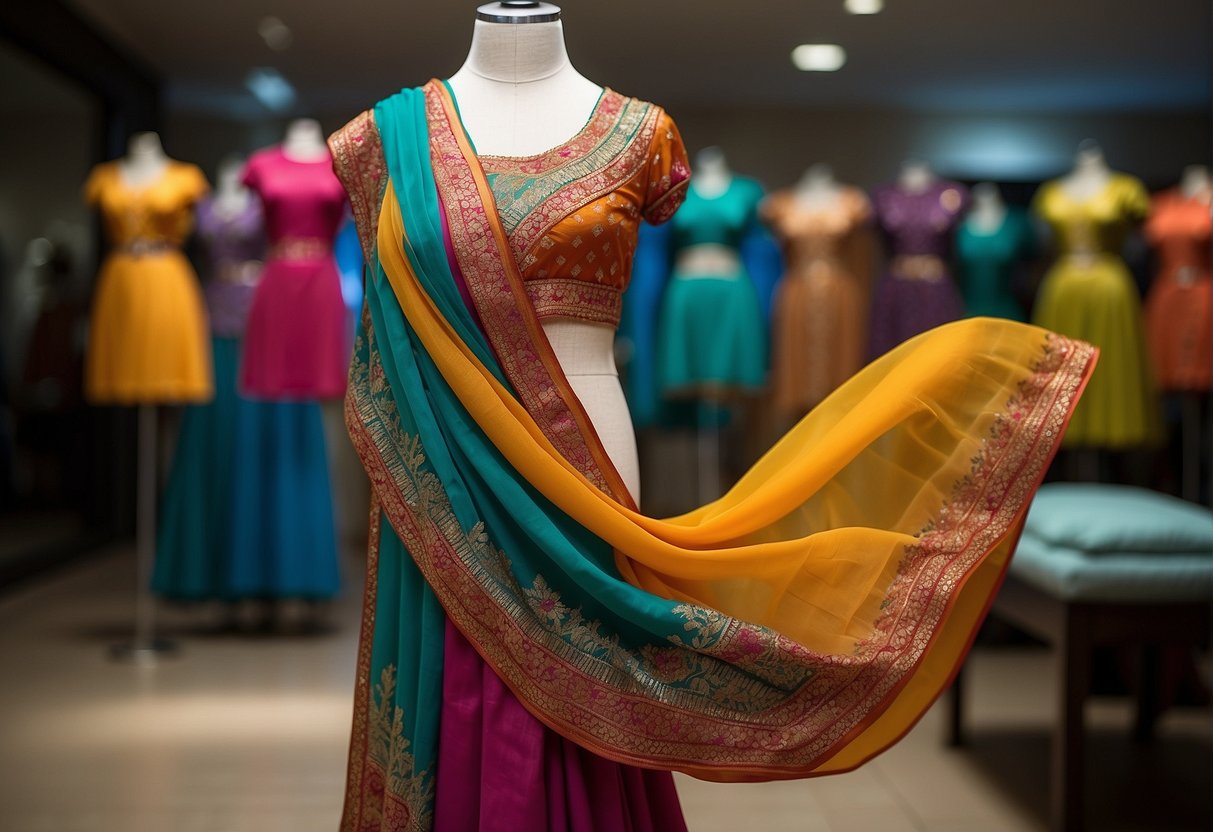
x,y
795,627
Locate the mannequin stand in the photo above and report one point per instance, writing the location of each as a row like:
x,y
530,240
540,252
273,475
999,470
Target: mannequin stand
x,y
1190,432
145,647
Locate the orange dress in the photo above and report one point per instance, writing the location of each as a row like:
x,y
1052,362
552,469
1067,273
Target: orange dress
x,y
819,319
148,339
1179,311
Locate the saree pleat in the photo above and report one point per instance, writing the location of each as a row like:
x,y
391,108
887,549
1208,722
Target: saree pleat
x,y
795,627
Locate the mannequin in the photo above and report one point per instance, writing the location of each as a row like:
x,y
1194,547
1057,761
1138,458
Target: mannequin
x,y
713,176
988,209
145,160
519,95
915,175
231,196
1197,183
817,188
304,141
1090,174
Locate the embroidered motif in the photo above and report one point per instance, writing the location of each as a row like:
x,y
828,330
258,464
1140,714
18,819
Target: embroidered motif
x,y
395,798
359,163
762,704
575,299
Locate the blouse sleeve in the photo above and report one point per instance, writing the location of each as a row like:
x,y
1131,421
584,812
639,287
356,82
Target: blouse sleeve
x,y
359,163
1134,200
669,172
94,185
194,184
250,176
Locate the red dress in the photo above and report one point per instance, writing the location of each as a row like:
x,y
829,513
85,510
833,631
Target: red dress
x,y
1179,314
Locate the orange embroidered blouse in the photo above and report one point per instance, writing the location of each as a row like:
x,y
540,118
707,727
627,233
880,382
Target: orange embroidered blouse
x,y
573,212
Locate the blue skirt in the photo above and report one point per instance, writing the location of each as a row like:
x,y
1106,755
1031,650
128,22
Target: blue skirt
x,y
248,510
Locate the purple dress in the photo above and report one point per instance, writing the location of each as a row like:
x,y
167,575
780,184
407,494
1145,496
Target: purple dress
x,y
917,291
235,248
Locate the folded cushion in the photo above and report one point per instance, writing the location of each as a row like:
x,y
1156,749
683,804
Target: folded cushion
x,y
1143,578
1098,518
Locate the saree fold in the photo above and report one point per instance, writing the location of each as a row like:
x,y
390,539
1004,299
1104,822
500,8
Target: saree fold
x,y
795,627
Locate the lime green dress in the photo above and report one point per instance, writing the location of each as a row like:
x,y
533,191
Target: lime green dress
x,y
1089,294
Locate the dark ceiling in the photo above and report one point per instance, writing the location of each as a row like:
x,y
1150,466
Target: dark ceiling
x,y
927,55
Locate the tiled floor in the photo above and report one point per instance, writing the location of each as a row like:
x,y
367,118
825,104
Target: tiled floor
x,y
248,734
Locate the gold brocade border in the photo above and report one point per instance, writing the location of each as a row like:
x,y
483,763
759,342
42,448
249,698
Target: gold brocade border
x,y
608,706
359,163
519,342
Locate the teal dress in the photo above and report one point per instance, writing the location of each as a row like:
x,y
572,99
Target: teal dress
x,y
711,335
988,262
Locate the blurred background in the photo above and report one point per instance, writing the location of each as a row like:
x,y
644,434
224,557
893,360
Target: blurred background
x,y
244,725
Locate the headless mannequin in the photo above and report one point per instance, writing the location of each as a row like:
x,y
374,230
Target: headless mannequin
x,y
519,95
713,176
1197,183
817,189
915,176
145,160
1090,174
304,141
988,209
231,196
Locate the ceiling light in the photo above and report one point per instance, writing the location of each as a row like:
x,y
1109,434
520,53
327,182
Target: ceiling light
x,y
864,6
271,89
819,57
276,34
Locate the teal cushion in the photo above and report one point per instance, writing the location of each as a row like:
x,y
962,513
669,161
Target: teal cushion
x,y
1124,578
1118,518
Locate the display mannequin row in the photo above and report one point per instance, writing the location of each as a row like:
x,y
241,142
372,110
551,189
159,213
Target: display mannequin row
x,y
247,511
950,253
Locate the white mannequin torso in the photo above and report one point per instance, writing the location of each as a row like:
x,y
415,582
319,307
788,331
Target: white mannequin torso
x,y
231,196
915,176
817,189
145,161
1090,174
518,95
304,141
988,209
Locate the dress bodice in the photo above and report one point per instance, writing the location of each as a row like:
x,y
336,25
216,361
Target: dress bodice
x,y
1096,224
572,213
301,200
158,214
235,247
920,222
812,233
1180,228
723,219
987,259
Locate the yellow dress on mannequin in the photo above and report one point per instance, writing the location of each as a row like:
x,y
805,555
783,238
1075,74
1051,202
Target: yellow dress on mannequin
x,y
148,339
1089,294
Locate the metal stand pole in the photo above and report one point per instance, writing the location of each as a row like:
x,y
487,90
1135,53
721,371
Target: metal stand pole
x,y
145,647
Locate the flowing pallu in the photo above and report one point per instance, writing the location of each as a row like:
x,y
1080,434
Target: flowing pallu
x,y
795,627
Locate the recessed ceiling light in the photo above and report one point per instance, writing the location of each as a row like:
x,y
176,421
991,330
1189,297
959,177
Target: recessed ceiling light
x,y
276,34
819,57
864,6
271,89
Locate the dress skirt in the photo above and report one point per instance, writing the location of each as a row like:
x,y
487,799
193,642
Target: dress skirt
x,y
711,337
1097,301
148,338
297,343
903,307
248,510
1179,329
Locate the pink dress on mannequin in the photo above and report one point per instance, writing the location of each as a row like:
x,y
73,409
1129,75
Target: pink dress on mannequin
x,y
296,344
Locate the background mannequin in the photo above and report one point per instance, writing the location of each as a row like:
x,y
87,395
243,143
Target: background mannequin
x,y
145,160
304,141
1090,174
519,95
988,209
915,175
1196,182
991,246
818,188
231,197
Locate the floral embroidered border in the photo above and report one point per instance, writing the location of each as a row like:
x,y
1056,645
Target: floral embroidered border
x,y
766,706
359,163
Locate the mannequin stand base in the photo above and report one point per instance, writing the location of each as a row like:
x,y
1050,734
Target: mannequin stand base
x,y
143,653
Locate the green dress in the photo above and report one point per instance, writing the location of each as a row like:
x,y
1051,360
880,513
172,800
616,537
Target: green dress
x,y
987,261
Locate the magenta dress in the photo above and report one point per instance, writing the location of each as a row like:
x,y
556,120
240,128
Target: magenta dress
x,y
917,292
296,344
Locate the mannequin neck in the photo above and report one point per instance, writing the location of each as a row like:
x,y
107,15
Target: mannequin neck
x,y
916,176
712,173
231,196
516,53
145,160
1090,174
817,186
988,207
304,141
1197,183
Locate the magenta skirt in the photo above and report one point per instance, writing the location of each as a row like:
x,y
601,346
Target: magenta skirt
x,y
296,345
502,770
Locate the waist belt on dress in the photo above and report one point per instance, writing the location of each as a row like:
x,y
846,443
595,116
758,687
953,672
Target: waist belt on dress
x,y
926,267
142,247
301,248
239,272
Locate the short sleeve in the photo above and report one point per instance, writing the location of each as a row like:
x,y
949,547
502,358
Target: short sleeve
x,y
94,185
193,184
1134,199
250,177
669,172
861,208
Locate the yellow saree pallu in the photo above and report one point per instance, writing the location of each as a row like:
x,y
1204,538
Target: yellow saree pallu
x,y
795,627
